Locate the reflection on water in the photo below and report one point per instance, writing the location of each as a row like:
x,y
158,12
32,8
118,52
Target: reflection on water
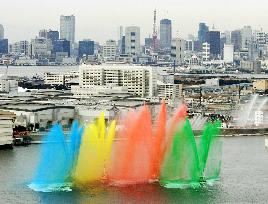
x,y
244,179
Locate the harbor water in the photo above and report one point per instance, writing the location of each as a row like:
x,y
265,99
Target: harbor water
x,y
244,179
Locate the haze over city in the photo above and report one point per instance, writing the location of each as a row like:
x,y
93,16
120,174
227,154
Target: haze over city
x,y
99,20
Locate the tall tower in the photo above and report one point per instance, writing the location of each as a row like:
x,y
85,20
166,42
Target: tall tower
x,y
2,33
154,32
67,28
165,33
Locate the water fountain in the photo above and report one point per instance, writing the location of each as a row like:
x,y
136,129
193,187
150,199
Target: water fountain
x,y
136,153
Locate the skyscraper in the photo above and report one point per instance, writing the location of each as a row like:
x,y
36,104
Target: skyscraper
x,y
3,46
246,35
132,40
236,39
202,32
165,33
53,35
61,46
67,28
2,32
43,33
86,47
213,38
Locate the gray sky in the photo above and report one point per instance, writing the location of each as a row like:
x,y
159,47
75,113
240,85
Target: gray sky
x,y
99,19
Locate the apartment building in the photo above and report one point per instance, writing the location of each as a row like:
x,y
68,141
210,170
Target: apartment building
x,y
139,80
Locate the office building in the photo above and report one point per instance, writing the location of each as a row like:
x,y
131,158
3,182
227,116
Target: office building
x,y
246,36
202,32
85,48
132,41
53,35
261,38
123,46
20,48
137,80
39,48
148,42
177,50
62,46
109,50
2,32
67,28
42,33
236,40
54,79
165,33
228,53
205,51
3,46
213,39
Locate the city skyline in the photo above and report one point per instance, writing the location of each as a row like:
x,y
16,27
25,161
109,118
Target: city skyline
x,y
94,23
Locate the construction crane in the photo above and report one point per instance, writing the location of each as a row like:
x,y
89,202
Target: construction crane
x,y
154,32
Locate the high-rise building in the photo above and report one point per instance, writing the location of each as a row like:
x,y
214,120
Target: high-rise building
x,y
120,36
67,28
165,33
213,38
3,46
2,32
132,41
205,51
123,45
53,35
86,48
228,53
202,32
236,39
148,42
246,36
109,50
177,50
21,47
39,48
261,38
43,33
61,46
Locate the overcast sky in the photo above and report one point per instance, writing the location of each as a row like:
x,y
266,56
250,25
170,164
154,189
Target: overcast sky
x,y
99,19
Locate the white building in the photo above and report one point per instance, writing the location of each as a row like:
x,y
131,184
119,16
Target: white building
x,y
228,53
261,38
109,50
177,50
43,115
213,82
168,90
25,61
139,80
6,128
205,51
21,47
2,32
4,85
259,119
54,79
94,90
67,28
132,41
40,47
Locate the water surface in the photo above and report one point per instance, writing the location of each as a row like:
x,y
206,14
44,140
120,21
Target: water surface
x,y
244,179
